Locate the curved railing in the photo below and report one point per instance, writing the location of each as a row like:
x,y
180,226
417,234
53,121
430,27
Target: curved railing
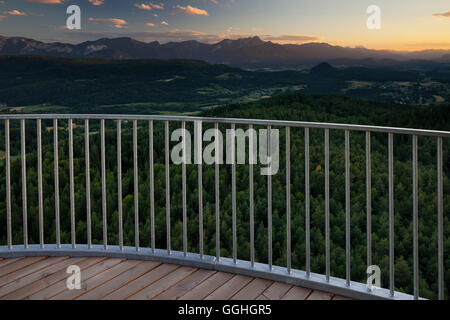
x,y
305,278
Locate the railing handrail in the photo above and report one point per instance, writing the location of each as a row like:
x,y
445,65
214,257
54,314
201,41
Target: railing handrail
x,y
263,122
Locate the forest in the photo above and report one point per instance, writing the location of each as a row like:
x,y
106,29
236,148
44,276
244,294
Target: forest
x,y
321,108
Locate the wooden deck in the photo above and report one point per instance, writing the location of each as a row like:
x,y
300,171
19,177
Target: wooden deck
x,y
120,279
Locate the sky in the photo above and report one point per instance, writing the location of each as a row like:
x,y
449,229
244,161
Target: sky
x,y
406,25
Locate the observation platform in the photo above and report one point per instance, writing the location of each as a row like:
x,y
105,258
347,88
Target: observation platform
x,y
44,278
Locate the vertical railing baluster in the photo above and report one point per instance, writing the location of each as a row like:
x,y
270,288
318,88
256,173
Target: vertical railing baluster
x,y
103,168
184,196
136,187
119,182
200,185
368,199
152,187
71,186
24,183
56,173
269,200
88,183
251,161
288,199
391,213
217,181
40,192
347,206
167,146
415,218
327,204
307,206
440,196
8,184
233,190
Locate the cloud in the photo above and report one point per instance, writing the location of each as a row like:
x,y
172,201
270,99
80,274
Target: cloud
x,y
143,6
150,6
192,10
116,23
58,27
164,23
46,1
16,13
444,15
150,24
290,38
97,2
2,17
157,6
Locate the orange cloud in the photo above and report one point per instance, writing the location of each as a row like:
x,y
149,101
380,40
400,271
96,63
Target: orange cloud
x,y
192,10
143,6
149,6
291,38
2,17
164,23
46,1
16,13
97,2
445,15
116,23
150,24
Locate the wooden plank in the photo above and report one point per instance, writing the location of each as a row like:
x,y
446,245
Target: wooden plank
x,y
262,297
207,287
35,276
29,270
318,295
341,298
252,290
119,281
49,279
185,285
5,262
277,290
142,282
97,280
19,264
163,284
297,293
230,288
86,274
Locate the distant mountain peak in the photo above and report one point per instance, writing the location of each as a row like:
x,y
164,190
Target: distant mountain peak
x,y
323,68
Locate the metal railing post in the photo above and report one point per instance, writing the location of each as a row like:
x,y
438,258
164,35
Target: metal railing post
x,y
119,182
136,187
8,185
103,168
415,218
288,199
327,204
347,207
56,173
24,184
391,214
71,186
307,206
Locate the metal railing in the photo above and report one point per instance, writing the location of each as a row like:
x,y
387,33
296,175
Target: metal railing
x,y
304,278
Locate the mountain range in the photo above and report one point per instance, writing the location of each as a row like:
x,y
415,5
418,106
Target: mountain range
x,y
246,52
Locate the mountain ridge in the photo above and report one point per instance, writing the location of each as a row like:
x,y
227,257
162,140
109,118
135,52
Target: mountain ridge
x,y
244,52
